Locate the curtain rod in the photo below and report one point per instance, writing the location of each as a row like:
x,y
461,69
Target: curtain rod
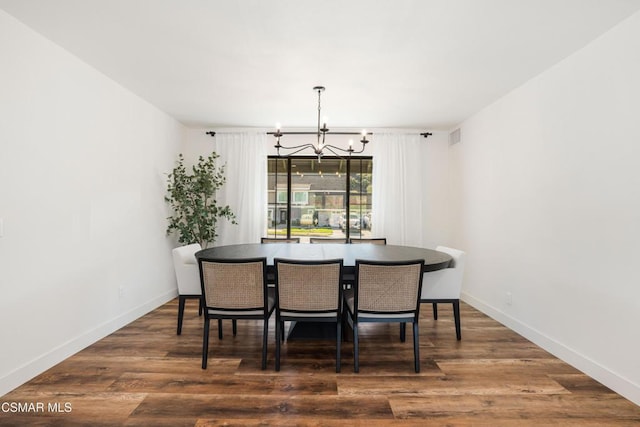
x,y
425,134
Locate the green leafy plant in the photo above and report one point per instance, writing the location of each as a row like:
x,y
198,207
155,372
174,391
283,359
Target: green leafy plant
x,y
192,197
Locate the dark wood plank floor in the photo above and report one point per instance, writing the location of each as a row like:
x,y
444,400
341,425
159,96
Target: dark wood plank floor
x,y
146,375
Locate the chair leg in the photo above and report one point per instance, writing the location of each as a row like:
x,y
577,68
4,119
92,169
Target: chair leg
x,y
403,332
338,343
219,329
416,346
234,323
205,343
181,301
278,334
282,331
435,311
265,334
200,306
456,317
356,352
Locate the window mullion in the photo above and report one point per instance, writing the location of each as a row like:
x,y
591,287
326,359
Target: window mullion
x,y
348,200
289,196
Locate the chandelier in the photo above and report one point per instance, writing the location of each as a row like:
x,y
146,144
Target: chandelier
x,y
320,146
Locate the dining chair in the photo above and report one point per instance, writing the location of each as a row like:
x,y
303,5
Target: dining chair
x,y
276,240
235,289
187,277
375,241
308,291
327,240
270,277
444,286
385,292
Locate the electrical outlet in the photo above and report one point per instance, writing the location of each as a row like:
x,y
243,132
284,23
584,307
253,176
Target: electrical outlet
x,y
121,291
509,298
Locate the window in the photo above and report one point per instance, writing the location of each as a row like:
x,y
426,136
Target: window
x,y
282,196
300,198
308,198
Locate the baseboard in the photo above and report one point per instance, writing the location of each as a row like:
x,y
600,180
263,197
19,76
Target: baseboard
x,y
35,367
615,382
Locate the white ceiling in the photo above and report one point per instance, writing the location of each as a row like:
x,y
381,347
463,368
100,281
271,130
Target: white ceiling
x,y
425,64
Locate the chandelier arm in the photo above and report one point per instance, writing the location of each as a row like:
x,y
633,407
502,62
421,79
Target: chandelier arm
x,y
295,147
361,150
329,148
350,151
335,148
299,149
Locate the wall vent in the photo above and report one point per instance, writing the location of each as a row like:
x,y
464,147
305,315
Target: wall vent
x,y
454,137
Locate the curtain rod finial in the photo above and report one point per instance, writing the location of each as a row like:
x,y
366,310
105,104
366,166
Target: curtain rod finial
x,y
211,133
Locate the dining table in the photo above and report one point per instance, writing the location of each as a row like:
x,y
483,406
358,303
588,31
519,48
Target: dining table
x,y
349,253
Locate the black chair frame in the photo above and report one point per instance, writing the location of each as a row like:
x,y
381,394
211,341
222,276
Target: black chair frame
x,y
276,240
354,319
354,240
234,316
280,318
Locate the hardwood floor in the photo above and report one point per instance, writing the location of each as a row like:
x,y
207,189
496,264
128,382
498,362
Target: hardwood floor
x,y
146,375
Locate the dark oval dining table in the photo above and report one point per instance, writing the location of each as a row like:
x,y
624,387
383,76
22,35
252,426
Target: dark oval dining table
x,y
433,260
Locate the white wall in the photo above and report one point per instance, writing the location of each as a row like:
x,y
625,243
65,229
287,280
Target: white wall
x,y
82,165
546,196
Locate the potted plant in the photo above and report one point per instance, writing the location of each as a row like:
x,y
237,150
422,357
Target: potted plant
x,y
192,197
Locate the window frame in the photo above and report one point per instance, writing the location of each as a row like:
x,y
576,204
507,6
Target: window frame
x,y
290,191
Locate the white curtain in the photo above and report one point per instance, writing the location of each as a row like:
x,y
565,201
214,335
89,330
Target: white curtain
x,y
245,190
398,188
